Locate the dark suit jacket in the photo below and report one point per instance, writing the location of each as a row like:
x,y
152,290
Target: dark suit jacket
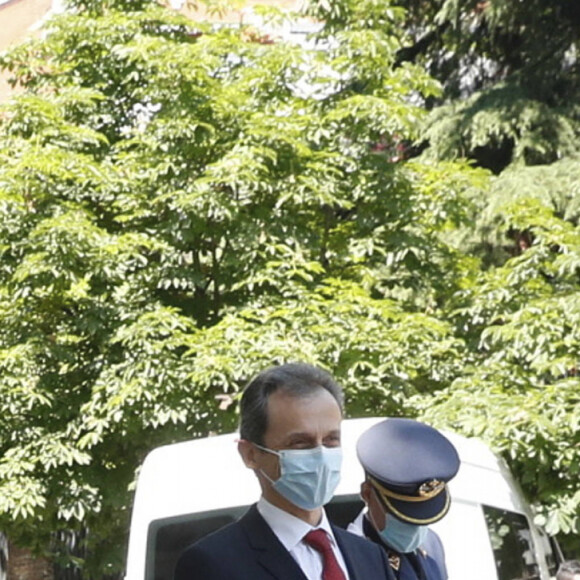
x,y
249,550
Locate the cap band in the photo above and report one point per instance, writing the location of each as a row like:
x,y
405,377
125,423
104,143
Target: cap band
x,y
425,495
385,493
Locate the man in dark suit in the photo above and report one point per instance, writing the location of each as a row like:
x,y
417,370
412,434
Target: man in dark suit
x,y
290,436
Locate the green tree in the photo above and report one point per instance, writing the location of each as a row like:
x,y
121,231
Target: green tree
x,y
520,387
509,78
182,206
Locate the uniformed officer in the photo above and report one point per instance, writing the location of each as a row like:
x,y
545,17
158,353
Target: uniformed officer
x,y
407,466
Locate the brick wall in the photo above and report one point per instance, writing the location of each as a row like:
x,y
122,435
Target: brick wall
x,y
22,565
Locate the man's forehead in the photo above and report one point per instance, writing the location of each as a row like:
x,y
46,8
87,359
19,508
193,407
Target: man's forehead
x,y
294,417
287,397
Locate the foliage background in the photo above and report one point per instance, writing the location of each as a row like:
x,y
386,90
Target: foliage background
x,y
182,206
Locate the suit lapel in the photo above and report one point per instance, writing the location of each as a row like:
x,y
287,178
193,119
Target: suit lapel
x,y
270,552
352,563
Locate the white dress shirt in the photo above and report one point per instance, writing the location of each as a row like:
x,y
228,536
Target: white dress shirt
x,y
291,530
356,526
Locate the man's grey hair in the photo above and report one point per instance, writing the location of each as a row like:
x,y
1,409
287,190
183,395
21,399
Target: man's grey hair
x,y
296,379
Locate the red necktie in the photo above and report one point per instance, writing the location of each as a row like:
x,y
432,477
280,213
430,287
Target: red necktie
x,y
331,569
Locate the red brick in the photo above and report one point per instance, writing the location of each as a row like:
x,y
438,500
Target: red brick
x,y
22,565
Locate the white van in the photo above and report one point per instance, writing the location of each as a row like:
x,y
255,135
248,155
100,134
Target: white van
x,y
190,489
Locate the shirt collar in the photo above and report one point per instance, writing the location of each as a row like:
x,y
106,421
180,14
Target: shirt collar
x,y
289,529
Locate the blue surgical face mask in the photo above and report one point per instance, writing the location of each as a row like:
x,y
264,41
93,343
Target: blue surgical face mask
x,y
403,537
308,477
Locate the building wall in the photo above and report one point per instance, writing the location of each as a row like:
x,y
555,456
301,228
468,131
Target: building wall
x,y
18,19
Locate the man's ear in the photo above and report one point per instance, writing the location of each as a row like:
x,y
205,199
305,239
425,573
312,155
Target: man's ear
x,y
365,491
248,452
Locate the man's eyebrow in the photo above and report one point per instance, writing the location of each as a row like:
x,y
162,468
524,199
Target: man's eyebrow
x,y
300,435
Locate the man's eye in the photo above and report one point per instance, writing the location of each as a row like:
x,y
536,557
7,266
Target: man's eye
x,y
333,441
300,445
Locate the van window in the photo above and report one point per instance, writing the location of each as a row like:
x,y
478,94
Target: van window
x,y
512,545
168,537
